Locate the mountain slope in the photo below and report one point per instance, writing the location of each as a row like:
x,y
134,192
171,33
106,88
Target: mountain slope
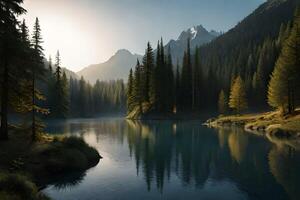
x,y
198,36
68,72
117,67
250,50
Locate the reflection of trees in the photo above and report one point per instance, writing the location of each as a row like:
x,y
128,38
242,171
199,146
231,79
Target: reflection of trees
x,y
237,142
195,153
285,164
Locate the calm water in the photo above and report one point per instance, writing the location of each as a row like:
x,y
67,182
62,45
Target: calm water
x,y
178,160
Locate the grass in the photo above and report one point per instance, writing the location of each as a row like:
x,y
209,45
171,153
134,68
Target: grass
x,y
18,187
43,160
268,122
62,154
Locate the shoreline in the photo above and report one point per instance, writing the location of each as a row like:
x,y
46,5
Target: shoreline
x,y
269,124
34,165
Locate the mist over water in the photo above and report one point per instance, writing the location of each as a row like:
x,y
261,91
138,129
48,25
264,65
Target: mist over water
x,y
177,160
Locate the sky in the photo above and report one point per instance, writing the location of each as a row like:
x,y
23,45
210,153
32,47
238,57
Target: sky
x,y
91,31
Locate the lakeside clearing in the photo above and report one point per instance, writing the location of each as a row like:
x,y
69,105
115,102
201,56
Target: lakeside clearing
x,y
270,124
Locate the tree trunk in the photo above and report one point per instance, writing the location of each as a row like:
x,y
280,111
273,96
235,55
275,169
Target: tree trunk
x,y
4,103
33,108
289,98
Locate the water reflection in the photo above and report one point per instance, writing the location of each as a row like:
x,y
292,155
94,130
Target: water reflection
x,y
222,164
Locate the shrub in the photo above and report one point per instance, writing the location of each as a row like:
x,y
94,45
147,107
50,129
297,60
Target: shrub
x,y
18,187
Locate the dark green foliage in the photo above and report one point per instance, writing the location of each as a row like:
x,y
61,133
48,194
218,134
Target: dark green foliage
x,y
64,155
148,63
186,86
61,93
250,50
37,71
11,48
86,100
129,92
285,80
223,103
137,90
152,85
18,187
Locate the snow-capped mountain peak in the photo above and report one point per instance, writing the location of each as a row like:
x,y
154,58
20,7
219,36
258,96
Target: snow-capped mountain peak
x,y
193,32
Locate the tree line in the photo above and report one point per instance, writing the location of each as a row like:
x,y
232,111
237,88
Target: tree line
x,y
255,74
30,86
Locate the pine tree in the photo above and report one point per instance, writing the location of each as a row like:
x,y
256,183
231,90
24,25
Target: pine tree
x,y
197,80
37,72
222,103
283,91
177,87
129,93
58,67
50,65
148,63
187,80
238,100
61,85
137,89
9,40
65,95
169,81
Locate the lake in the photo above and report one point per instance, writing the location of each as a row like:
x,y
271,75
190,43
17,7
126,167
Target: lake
x,y
177,160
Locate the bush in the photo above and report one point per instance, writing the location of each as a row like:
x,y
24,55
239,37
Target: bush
x,y
17,187
66,154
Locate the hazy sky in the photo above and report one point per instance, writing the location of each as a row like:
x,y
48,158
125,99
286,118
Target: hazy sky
x,y
90,31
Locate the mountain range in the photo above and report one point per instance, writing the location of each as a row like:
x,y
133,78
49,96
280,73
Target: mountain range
x,y
118,66
198,36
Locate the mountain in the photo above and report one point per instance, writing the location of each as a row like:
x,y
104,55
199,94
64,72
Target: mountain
x,y
117,67
250,50
68,72
198,36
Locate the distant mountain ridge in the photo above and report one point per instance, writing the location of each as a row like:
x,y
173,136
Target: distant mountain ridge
x,y
198,36
117,67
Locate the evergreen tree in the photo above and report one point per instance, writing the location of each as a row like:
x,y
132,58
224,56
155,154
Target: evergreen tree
x,y
65,95
148,63
50,65
177,87
222,103
283,91
130,100
187,80
9,45
61,93
37,72
169,82
137,86
197,80
238,100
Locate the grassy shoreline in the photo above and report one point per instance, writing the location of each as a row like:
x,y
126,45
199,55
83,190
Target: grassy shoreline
x,y
268,123
26,166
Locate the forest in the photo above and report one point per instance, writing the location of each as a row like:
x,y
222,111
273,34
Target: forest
x,y
236,72
54,123
32,85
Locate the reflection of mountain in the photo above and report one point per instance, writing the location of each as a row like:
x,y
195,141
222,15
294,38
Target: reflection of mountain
x,y
285,164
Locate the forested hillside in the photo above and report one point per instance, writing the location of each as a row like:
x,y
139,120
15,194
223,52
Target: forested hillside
x,y
240,60
249,50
